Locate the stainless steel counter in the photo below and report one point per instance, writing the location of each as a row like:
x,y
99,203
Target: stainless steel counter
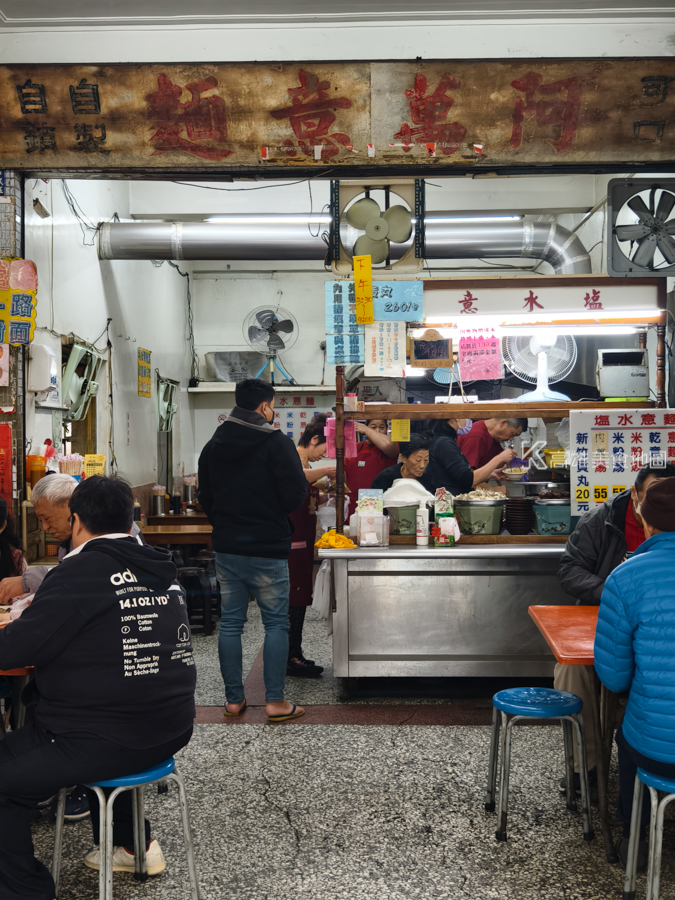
x,y
459,611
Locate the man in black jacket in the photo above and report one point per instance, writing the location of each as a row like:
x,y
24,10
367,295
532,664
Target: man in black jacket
x,y
250,479
600,542
113,694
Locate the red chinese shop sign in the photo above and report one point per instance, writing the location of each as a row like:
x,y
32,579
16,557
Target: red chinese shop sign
x,y
202,116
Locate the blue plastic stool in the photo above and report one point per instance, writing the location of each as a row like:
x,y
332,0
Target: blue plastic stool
x,y
165,771
655,783
514,704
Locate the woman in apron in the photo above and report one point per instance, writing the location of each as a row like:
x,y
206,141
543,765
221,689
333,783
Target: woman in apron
x,y
311,447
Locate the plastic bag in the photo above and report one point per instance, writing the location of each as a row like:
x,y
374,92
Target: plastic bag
x,y
562,432
327,515
321,595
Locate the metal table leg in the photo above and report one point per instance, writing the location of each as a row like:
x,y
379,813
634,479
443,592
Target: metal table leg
x,y
603,774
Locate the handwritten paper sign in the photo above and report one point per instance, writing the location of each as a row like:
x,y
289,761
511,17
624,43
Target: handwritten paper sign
x,y
385,349
400,429
400,300
18,300
144,373
431,351
608,449
480,355
363,289
340,300
344,349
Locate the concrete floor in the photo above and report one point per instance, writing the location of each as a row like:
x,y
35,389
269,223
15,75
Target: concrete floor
x,y
344,812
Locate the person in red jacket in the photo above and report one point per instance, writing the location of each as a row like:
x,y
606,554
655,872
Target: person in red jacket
x,y
484,440
373,456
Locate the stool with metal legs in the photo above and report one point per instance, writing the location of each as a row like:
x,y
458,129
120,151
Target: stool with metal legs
x,y
164,772
512,706
655,783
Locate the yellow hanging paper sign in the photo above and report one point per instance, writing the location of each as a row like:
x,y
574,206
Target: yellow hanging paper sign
x,y
400,429
94,464
18,300
144,373
363,290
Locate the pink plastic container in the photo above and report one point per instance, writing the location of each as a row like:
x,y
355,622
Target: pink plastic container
x,y
350,438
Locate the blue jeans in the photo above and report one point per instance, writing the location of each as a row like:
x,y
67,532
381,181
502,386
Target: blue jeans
x,y
267,580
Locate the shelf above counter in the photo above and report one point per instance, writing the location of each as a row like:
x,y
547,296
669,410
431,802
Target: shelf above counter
x,y
229,387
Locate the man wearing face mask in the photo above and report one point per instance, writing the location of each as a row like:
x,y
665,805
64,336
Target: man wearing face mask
x,y
604,538
250,480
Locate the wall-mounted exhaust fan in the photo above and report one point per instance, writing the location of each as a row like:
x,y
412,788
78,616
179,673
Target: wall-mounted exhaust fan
x,y
270,331
542,359
78,389
642,227
378,223
167,405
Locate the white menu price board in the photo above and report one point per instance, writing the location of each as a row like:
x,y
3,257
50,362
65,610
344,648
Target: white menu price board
x,y
385,349
608,448
292,414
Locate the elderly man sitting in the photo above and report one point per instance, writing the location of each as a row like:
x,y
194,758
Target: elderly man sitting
x,y
99,712
50,498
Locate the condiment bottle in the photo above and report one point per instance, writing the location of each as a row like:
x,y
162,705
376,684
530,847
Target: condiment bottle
x,y
137,511
422,521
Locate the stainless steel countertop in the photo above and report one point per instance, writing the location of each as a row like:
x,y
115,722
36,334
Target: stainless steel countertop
x,y
469,551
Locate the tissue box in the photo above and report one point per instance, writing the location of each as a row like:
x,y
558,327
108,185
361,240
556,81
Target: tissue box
x,y
371,531
444,530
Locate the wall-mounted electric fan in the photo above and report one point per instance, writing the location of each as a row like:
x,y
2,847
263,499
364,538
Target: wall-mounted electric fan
x,y
378,219
270,331
78,389
641,218
167,405
541,360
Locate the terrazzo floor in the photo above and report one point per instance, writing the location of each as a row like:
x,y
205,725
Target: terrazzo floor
x,y
357,812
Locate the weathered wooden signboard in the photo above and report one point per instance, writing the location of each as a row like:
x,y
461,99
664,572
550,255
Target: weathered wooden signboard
x,y
259,116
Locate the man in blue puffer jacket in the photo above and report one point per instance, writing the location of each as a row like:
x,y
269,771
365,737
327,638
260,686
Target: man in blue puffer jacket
x,y
635,651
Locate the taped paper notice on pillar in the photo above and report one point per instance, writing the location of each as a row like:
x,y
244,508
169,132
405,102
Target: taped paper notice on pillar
x,y
144,373
363,289
18,300
385,350
94,464
400,430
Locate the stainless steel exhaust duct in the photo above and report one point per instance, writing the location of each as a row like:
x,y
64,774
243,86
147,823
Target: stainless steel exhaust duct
x,y
300,237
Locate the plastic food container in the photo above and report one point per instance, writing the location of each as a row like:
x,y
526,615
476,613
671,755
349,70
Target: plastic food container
x,y
403,519
553,516
479,516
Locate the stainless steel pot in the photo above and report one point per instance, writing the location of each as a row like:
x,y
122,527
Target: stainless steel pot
x,y
534,488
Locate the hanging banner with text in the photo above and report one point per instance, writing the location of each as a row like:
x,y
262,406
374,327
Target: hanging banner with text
x,y
18,300
608,449
363,289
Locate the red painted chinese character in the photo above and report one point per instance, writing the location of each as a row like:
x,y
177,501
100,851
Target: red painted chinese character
x,y
592,300
671,452
202,118
283,401
467,303
602,420
636,438
303,415
601,466
648,419
311,117
297,401
547,111
429,114
309,401
671,437
669,419
531,301
625,420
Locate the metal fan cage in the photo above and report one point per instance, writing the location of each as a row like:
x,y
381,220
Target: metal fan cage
x,y
522,362
268,330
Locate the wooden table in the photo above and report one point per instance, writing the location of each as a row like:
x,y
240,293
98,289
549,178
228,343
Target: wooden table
x,y
193,519
570,633
177,534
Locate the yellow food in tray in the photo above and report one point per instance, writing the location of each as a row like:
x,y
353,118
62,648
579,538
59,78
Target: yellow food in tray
x,y
331,540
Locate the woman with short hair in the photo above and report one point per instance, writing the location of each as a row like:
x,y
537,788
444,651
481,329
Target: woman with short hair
x,y
415,453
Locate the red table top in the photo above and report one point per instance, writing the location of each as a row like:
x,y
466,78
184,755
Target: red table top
x,y
568,630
